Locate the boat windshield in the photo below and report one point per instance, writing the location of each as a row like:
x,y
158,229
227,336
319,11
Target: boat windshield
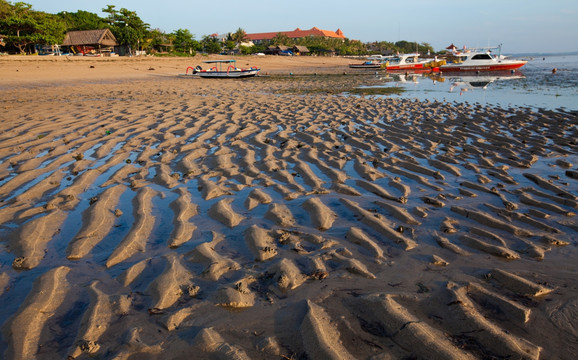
x,y
482,57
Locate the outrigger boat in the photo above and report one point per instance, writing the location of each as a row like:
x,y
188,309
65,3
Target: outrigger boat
x,y
366,65
222,69
482,59
372,62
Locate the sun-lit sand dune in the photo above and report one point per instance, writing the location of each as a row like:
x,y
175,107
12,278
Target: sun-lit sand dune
x,y
146,215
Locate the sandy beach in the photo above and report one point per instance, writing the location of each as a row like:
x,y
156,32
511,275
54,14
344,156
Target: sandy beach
x,y
146,215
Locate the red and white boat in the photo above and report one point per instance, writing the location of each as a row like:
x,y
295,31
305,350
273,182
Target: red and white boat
x,y
406,62
481,60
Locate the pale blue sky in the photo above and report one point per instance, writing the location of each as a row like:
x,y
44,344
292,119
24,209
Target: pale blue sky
x,y
520,25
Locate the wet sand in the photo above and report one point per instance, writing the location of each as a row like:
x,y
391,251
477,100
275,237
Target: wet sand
x,y
147,215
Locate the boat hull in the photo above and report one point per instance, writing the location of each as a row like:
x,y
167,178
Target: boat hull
x,y
405,67
228,74
365,66
489,67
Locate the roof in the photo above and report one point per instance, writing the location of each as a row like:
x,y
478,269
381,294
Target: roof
x,y
90,37
301,48
219,61
297,33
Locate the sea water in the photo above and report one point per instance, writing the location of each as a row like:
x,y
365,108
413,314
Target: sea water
x,y
534,85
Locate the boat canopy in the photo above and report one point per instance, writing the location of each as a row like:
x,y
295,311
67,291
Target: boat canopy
x,y
219,61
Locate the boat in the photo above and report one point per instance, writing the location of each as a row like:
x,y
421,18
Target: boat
x,y
372,62
366,65
482,59
408,62
222,69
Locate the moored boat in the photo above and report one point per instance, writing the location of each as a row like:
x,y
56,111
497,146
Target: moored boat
x,y
366,65
407,62
482,60
372,62
222,69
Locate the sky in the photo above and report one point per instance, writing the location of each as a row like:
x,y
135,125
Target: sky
x,y
521,26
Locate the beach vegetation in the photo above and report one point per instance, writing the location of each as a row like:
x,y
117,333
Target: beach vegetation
x,y
23,30
239,36
211,44
127,27
280,39
82,20
184,42
22,27
4,8
402,46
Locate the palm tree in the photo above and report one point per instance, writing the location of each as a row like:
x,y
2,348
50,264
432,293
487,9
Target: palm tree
x,y
280,39
240,36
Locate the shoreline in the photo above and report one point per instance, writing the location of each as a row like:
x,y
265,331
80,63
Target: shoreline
x,y
20,70
163,216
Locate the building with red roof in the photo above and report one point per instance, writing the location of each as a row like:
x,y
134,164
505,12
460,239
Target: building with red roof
x,y
296,34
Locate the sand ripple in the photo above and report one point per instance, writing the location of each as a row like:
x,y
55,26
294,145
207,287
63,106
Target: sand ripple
x,y
246,220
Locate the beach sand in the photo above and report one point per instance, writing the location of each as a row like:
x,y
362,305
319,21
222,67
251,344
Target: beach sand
x,y
146,215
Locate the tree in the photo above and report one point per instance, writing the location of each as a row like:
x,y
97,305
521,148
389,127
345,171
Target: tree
x,y
51,29
5,8
211,44
184,41
127,26
239,36
280,39
82,20
411,47
20,26
246,50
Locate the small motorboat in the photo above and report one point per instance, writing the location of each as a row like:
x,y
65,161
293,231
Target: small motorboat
x,y
482,60
407,62
222,69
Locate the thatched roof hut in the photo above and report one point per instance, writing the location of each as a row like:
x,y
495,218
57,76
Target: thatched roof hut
x,y
98,40
300,50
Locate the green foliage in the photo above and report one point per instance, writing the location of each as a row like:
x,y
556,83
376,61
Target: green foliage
x,y
82,20
4,8
51,29
281,39
239,36
246,50
384,47
319,45
411,47
126,25
211,44
184,42
24,27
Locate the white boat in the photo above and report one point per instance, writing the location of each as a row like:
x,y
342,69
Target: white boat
x,y
372,62
222,69
482,60
407,62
